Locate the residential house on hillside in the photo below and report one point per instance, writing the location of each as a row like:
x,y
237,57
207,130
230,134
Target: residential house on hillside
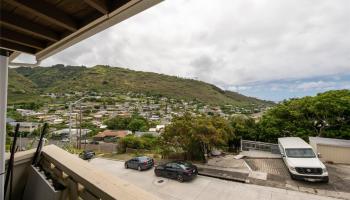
x,y
26,127
160,128
10,120
50,119
58,121
154,118
111,135
257,116
152,130
64,133
25,112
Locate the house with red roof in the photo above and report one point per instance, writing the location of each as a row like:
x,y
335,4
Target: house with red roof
x,y
111,135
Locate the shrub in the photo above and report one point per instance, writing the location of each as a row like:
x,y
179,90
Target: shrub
x,y
147,141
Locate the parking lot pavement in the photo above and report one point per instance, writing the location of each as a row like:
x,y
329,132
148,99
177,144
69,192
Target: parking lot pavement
x,y
201,188
278,176
228,162
271,166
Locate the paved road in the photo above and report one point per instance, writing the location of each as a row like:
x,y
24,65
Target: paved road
x,y
201,188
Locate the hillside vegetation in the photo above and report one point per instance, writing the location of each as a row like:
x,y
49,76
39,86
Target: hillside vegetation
x,y
326,115
65,79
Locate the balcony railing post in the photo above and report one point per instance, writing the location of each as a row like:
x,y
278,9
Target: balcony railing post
x,y
3,108
73,189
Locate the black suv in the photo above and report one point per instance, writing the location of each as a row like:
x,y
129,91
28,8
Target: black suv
x,y
179,170
140,163
87,154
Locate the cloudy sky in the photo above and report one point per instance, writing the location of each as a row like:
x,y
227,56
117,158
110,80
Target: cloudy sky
x,y
270,49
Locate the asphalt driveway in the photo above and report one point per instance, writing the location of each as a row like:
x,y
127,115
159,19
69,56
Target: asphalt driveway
x,y
278,176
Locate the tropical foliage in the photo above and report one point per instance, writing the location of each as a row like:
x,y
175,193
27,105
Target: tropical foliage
x,y
326,115
146,141
196,135
134,123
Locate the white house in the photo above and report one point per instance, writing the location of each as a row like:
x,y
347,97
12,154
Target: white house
x,y
27,127
74,132
331,150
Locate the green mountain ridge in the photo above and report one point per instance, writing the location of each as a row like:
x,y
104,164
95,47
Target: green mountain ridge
x,y
27,82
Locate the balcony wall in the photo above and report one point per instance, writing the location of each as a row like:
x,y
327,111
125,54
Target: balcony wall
x,y
81,179
22,162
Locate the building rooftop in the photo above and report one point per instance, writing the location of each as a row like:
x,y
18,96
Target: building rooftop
x,y
330,141
112,133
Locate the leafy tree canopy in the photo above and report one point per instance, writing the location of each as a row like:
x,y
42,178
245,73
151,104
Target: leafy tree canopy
x,y
196,135
134,123
325,115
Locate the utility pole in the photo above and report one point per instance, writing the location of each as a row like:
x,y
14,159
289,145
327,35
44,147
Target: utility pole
x,y
70,118
70,123
76,130
80,128
20,142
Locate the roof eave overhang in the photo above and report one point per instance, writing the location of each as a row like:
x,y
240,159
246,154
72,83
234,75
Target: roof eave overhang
x,y
122,13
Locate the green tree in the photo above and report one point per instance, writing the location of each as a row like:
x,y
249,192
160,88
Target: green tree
x,y
118,123
12,113
134,123
244,127
196,136
326,115
148,142
9,129
137,125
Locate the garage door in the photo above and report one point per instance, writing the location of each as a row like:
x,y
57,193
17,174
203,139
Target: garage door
x,y
334,154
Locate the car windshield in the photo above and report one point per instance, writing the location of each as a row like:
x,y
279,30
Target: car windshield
x,y
300,153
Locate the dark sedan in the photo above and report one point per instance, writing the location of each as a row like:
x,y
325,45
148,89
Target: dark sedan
x,y
139,163
180,170
87,154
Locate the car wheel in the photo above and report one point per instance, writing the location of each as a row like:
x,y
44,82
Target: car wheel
x,y
139,168
157,173
180,178
326,180
126,166
292,176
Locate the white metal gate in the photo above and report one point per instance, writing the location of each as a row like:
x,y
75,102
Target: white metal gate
x,y
247,145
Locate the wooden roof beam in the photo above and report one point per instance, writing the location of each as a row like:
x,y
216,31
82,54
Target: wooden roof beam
x,y
26,26
22,39
47,12
100,5
16,47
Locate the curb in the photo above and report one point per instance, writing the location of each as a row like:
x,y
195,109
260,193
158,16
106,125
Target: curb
x,y
223,174
222,177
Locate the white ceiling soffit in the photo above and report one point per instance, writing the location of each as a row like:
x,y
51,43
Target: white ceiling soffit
x,y
124,12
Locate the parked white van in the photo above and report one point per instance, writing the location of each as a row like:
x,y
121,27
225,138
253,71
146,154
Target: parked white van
x,y
301,160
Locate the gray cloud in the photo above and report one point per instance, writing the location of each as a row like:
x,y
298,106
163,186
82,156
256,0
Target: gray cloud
x,y
229,42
